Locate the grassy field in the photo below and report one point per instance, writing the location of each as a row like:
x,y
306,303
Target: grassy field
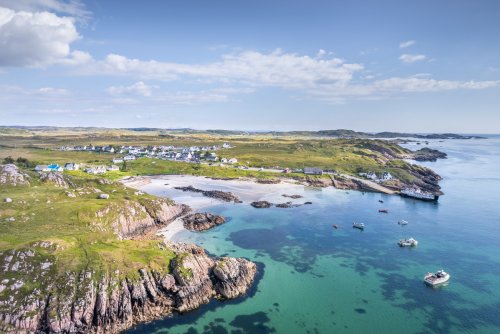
x,y
349,156
44,212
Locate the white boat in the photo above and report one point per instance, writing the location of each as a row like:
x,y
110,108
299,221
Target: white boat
x,y
439,277
402,222
410,242
361,226
418,194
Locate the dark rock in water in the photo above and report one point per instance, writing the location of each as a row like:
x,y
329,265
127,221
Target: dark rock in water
x,y
261,204
307,203
202,221
285,205
217,194
292,196
428,154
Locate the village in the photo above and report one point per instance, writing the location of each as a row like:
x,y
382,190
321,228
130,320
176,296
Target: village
x,y
193,154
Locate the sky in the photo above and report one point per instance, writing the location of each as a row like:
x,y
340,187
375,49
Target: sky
x,y
395,65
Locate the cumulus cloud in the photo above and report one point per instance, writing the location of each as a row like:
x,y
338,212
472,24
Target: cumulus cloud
x,y
327,78
407,58
73,8
138,88
250,67
406,44
34,39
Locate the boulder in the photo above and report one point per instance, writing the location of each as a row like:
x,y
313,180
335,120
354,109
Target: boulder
x,y
261,204
202,221
8,200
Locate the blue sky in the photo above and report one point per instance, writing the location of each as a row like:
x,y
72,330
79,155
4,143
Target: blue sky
x,y
415,66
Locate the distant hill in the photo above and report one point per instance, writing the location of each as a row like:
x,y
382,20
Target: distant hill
x,y
339,133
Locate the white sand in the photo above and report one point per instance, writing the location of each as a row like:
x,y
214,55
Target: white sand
x,y
247,191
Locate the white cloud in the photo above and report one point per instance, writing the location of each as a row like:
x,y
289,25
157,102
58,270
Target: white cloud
x,y
74,8
406,44
138,88
191,98
34,39
417,84
250,67
407,58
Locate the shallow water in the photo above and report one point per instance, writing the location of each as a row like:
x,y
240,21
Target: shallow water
x,y
316,279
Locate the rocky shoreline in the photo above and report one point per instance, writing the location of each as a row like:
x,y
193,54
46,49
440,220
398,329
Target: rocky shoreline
x,y
91,302
44,292
266,204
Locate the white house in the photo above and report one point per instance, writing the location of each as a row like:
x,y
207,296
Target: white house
x,y
223,160
42,168
117,160
232,161
387,176
226,145
128,157
71,166
113,168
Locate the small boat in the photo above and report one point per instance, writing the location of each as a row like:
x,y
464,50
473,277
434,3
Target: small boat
x,y
360,226
439,277
335,226
402,222
383,211
410,242
381,201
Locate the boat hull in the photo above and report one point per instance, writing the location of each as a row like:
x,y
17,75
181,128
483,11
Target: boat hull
x,y
434,199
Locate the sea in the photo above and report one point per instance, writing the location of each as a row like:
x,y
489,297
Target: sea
x,y
313,278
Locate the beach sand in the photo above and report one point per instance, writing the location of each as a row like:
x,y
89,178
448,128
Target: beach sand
x,y
247,191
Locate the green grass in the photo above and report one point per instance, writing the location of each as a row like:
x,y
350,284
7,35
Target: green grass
x,y
43,212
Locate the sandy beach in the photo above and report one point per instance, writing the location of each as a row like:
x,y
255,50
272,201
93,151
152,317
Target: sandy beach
x,y
248,191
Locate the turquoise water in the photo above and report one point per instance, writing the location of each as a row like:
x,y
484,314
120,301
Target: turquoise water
x,y
315,279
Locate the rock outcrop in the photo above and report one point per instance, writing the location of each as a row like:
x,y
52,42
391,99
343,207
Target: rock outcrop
x,y
56,178
295,196
428,154
202,221
261,204
11,175
133,219
92,302
217,194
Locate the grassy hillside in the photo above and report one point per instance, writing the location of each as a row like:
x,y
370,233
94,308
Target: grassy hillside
x,y
43,212
349,156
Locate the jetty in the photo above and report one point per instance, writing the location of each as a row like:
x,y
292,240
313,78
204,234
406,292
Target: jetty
x,y
365,184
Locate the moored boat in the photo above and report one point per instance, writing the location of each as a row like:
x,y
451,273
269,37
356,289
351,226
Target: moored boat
x,y
402,222
418,194
437,278
383,211
410,242
360,226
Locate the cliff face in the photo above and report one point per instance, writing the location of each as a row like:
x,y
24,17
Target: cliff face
x,y
133,219
87,302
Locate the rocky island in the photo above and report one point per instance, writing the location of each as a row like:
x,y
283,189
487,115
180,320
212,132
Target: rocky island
x,y
202,221
217,194
79,264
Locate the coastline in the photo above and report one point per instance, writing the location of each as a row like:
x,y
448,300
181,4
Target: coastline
x,y
248,190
